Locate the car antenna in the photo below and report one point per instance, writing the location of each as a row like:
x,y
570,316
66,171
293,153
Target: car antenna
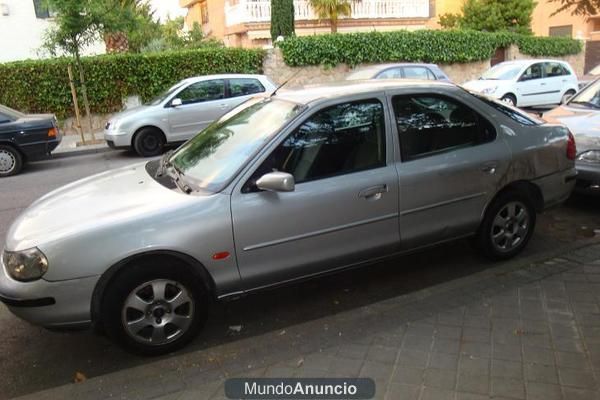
x,y
285,82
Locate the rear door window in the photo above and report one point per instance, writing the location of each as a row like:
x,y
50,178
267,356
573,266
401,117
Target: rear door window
x,y
432,124
244,87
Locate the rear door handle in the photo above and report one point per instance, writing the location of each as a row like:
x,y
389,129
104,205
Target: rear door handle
x,y
373,192
489,168
223,106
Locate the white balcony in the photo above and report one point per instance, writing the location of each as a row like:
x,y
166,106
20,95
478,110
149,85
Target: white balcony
x,y
250,11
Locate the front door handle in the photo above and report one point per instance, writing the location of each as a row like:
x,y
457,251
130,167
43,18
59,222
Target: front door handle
x,y
373,192
489,168
223,106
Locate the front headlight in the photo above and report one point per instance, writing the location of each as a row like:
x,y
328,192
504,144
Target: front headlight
x,y
489,90
26,265
591,156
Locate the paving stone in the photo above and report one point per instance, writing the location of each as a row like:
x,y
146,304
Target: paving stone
x,y
413,358
507,369
346,366
448,332
352,350
398,391
416,342
383,354
407,375
471,334
430,393
578,378
541,373
471,396
473,383
474,366
448,346
543,391
475,349
440,378
443,361
579,394
507,352
538,355
512,388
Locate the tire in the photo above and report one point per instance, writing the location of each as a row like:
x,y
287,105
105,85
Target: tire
x,y
149,142
568,94
165,305
509,99
11,161
505,231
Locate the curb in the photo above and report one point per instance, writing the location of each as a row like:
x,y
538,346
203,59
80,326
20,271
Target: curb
x,y
78,152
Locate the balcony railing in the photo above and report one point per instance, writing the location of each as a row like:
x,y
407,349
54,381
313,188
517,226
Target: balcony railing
x,y
249,11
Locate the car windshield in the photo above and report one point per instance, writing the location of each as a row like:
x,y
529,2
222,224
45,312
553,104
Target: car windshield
x,y
14,114
213,157
588,97
502,72
164,95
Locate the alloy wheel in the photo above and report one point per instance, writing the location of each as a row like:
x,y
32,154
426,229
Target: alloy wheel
x,y
158,312
510,226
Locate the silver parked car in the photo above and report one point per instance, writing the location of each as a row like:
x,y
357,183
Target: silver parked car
x,y
182,111
282,188
581,114
400,71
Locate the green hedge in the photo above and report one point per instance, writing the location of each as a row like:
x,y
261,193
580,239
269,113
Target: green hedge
x,y
43,85
437,46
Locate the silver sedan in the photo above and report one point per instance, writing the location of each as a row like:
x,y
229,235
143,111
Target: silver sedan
x,y
282,188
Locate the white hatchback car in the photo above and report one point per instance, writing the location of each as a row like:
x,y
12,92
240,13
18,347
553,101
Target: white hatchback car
x,y
528,82
182,111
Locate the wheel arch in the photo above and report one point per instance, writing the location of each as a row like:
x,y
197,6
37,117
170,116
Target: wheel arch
x,y
14,146
193,265
531,190
151,126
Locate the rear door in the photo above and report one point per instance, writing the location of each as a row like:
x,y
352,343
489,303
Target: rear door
x,y
451,161
202,103
555,80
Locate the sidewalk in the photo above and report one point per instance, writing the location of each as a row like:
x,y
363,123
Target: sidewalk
x,y
516,330
69,145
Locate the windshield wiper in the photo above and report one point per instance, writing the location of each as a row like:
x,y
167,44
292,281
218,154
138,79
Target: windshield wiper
x,y
585,103
164,163
179,180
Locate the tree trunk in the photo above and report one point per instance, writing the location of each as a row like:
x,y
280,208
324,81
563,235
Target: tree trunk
x,y
116,42
83,84
334,21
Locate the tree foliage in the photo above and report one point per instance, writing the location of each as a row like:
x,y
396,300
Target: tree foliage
x,y
438,46
578,7
492,16
282,18
331,10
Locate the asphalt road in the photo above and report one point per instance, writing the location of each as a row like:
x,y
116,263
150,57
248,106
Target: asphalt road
x,y
33,358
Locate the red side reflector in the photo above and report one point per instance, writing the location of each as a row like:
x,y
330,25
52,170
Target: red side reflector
x,y
220,256
571,147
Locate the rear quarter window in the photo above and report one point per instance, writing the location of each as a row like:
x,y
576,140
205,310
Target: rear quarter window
x,y
511,112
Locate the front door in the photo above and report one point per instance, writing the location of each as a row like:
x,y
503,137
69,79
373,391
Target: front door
x,y
532,87
344,208
202,103
451,162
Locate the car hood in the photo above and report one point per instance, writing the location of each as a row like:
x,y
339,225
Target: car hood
x,y
108,198
127,113
480,84
584,123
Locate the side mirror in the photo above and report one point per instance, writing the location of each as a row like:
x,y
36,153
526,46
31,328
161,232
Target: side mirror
x,y
276,182
176,102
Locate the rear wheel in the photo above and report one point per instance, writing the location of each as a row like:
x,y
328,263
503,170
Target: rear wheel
x,y
509,99
11,161
568,94
149,142
507,226
154,308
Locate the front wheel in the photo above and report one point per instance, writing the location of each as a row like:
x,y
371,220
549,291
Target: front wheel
x,y
509,99
507,226
155,308
149,142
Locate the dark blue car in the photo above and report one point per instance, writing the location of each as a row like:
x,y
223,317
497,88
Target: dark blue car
x,y
25,137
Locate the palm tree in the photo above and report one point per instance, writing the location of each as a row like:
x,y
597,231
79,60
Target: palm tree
x,y
332,10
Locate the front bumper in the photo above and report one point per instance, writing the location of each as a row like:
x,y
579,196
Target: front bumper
x,y
117,139
588,178
50,304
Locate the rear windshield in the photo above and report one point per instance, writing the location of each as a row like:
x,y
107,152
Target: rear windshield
x,y
513,113
13,114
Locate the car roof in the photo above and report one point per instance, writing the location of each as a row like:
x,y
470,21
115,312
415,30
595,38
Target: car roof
x,y
221,76
313,93
531,61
